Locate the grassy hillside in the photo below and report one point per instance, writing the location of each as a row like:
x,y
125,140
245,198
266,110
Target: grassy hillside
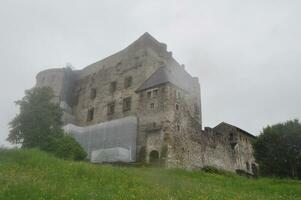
x,y
31,174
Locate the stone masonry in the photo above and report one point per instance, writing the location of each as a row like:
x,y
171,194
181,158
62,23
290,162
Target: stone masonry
x,y
145,81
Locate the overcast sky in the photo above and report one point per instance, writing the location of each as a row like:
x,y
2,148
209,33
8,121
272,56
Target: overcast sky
x,y
246,53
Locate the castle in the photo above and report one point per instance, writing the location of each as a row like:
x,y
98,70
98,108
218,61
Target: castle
x,y
141,105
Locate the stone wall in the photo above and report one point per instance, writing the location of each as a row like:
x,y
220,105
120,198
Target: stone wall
x,y
169,114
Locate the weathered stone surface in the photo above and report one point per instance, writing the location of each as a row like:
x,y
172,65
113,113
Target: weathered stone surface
x,y
145,81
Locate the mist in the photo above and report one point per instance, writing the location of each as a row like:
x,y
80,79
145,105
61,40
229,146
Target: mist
x,y
246,53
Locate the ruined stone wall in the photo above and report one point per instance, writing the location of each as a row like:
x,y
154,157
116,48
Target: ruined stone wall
x,y
195,150
223,147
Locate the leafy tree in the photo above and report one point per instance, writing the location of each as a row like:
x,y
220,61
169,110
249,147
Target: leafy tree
x,y
278,150
39,118
39,125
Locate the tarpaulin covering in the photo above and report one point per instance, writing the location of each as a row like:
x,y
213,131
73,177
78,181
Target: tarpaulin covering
x,y
109,141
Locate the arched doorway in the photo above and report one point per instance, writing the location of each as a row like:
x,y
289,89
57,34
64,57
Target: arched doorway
x,y
154,157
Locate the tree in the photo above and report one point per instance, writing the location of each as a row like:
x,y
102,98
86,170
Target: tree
x,y
39,119
39,125
278,150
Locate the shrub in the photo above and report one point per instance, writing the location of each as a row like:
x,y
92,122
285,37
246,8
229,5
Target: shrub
x,y
214,170
65,147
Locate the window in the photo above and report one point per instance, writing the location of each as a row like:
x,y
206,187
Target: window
x,y
90,115
128,82
111,108
155,92
127,104
178,127
233,145
177,107
248,166
231,136
93,93
149,94
178,95
113,86
152,106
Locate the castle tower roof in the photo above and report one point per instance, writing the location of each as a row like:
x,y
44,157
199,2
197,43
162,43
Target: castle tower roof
x,y
166,75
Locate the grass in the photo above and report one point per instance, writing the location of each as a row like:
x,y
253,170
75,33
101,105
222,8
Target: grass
x,y
32,174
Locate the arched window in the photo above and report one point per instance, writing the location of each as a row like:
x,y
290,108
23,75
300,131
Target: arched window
x,y
152,106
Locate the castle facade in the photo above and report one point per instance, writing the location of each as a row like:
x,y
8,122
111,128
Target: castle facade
x,y
141,105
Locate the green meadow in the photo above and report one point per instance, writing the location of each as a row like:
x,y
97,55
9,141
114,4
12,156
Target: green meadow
x,y
32,174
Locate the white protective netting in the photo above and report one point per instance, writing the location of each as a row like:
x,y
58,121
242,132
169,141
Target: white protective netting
x,y
111,141
111,155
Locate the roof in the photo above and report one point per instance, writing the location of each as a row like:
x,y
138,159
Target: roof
x,y
168,75
237,128
159,77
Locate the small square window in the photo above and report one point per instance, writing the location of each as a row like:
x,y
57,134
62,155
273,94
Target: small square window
x,y
177,107
149,94
127,104
111,108
113,86
90,114
128,82
231,136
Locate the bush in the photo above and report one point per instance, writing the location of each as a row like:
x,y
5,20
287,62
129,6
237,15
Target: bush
x,y
213,170
65,147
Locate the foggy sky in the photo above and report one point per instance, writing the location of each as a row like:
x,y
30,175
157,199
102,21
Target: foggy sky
x,y
246,54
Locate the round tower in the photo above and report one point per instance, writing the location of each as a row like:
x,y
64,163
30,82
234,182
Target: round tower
x,y
53,78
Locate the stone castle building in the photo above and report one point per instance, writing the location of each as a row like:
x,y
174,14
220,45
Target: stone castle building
x,y
141,105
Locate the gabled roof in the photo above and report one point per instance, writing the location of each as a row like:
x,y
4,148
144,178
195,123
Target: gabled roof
x,y
168,75
159,77
235,127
